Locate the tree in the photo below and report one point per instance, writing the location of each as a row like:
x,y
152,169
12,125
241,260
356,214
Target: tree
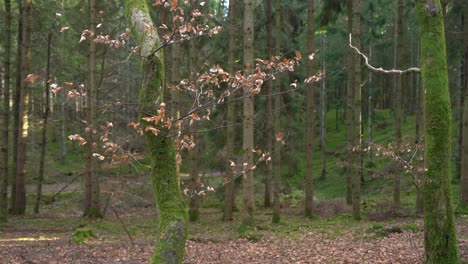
x,y
440,241
248,119
231,117
23,110
310,115
44,126
173,217
4,170
92,203
463,205
399,98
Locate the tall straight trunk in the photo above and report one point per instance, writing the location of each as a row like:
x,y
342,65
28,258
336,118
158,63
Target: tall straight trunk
x,y
92,199
323,115
173,218
23,107
248,120
4,171
463,205
16,100
194,209
310,117
419,136
399,100
269,113
440,241
349,110
44,127
276,218
356,158
370,109
231,117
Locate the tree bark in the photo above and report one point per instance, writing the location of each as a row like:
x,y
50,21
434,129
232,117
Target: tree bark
x,y
23,107
399,100
323,115
463,205
356,158
248,120
4,171
269,113
349,109
44,127
231,117
440,241
173,217
276,218
310,117
92,199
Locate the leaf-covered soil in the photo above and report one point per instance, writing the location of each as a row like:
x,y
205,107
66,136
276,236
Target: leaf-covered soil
x,y
47,239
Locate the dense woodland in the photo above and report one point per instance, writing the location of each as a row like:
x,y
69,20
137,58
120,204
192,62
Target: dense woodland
x,y
217,131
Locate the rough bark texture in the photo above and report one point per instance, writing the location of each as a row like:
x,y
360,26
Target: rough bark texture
x,y
173,217
349,109
23,110
440,241
463,205
4,171
276,218
310,116
399,99
248,128
269,113
356,158
44,128
92,204
231,118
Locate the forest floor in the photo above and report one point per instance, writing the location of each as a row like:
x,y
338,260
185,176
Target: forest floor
x,y
48,238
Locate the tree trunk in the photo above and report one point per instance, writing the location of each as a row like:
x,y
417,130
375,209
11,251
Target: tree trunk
x,y
419,137
356,158
194,210
44,127
269,113
463,205
323,115
23,107
276,159
310,117
4,171
399,100
16,98
231,118
92,203
173,217
440,241
349,110
248,125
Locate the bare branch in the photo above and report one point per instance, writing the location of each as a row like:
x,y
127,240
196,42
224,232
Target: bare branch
x,y
380,70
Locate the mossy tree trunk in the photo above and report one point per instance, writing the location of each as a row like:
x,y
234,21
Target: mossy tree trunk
x,y
4,171
173,216
440,241
310,116
248,120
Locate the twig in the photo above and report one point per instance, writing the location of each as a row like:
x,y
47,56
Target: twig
x,y
124,226
381,70
52,199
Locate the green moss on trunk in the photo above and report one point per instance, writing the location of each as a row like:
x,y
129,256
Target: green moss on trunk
x,y
439,231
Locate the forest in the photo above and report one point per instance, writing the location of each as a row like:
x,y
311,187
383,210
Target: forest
x,y
234,131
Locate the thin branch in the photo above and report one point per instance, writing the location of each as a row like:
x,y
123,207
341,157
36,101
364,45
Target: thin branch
x,y
380,70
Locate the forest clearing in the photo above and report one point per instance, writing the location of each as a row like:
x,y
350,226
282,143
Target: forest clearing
x,y
217,131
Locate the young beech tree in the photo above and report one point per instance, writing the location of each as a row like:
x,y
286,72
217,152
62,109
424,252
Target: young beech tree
x,y
439,229
173,217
